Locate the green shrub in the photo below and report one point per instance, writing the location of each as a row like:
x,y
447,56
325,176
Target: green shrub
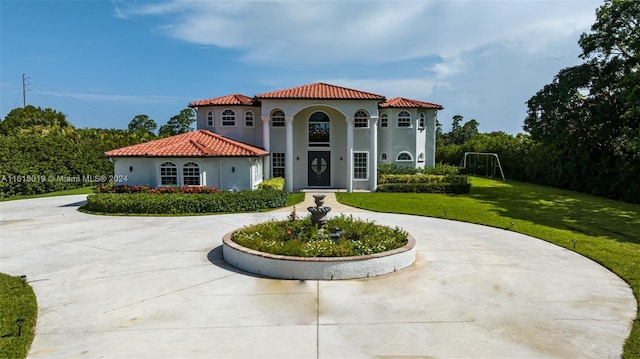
x,y
421,178
438,169
300,238
184,203
455,188
275,183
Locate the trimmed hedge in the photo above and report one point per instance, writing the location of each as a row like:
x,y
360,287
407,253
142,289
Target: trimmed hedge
x,y
455,188
275,183
184,203
419,178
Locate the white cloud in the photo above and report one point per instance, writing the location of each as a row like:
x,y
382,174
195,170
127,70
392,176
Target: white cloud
x,y
114,98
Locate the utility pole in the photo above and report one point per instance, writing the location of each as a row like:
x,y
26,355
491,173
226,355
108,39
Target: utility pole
x,y
24,90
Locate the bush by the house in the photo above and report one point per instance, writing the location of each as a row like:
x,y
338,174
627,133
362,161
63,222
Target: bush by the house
x,y
185,203
110,188
439,179
275,183
455,188
438,169
420,178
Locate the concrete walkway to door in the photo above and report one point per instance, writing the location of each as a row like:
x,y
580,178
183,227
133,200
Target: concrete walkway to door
x,y
158,287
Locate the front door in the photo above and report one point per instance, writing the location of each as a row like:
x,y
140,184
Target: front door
x,y
319,172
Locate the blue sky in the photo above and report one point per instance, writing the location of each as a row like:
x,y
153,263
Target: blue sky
x,y
103,62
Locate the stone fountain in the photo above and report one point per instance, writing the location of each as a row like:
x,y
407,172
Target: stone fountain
x,y
319,212
319,216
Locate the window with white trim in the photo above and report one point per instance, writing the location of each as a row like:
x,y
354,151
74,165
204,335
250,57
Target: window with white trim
x,y
404,157
191,174
360,165
209,119
384,120
404,119
277,118
248,119
421,121
277,164
361,119
168,174
383,156
421,157
228,118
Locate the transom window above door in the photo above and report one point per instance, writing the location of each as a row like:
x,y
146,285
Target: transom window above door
x,y
319,129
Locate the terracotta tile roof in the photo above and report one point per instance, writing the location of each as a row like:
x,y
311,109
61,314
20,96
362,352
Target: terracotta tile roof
x,y
229,100
200,143
320,90
401,102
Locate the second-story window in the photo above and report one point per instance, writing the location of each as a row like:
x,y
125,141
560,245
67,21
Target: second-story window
x,y
228,118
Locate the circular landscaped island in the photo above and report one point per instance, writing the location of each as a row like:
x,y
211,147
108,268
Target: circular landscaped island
x,y
319,248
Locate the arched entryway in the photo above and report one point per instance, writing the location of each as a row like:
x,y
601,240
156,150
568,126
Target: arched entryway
x,y
319,153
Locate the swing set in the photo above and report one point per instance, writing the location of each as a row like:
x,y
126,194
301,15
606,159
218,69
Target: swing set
x,y
476,163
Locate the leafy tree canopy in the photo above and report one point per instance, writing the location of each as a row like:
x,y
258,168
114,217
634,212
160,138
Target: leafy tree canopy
x,y
143,125
34,120
180,123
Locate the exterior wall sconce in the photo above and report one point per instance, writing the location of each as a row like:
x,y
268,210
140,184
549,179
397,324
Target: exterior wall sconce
x,y
130,168
297,158
233,169
19,323
340,158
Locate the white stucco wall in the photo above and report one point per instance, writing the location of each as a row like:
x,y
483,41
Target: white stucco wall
x,y
225,173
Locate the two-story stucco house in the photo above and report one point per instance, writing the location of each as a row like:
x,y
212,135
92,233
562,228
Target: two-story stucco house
x,y
315,136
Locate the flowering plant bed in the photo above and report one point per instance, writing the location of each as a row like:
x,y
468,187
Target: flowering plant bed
x,y
300,238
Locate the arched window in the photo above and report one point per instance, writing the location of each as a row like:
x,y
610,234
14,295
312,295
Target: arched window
x,y
277,118
228,118
191,174
209,119
421,120
360,119
248,119
384,120
404,119
383,156
168,174
421,157
319,129
404,157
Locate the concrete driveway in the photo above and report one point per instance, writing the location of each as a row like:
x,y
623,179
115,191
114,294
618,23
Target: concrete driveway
x,y
157,287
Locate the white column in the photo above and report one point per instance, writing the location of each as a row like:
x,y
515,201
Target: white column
x,y
288,156
349,154
266,143
373,153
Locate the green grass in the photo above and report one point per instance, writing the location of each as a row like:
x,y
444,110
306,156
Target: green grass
x,y
16,302
295,198
606,231
82,190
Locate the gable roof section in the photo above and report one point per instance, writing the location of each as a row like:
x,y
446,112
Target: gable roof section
x,y
229,100
320,90
200,143
401,102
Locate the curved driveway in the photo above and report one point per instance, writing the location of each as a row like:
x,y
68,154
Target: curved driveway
x,y
157,287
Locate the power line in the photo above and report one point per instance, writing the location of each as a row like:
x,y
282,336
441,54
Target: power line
x,y
24,90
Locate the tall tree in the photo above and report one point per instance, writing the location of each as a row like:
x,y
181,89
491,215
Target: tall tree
x,y
589,116
456,130
33,119
179,123
143,125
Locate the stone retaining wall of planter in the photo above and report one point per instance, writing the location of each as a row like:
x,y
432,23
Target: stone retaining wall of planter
x,y
317,268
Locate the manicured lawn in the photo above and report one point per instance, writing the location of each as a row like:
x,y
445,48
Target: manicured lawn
x,y
16,302
604,230
83,190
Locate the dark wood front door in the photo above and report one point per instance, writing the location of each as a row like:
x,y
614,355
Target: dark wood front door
x,y
319,168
